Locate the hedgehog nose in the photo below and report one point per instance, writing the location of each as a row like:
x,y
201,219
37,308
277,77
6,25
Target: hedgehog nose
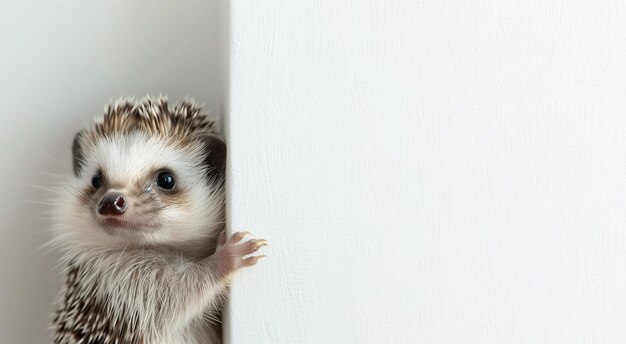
x,y
112,204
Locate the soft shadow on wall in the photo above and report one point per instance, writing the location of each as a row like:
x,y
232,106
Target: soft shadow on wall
x,y
59,64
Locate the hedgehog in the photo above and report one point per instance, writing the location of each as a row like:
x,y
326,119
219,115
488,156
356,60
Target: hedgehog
x,y
140,224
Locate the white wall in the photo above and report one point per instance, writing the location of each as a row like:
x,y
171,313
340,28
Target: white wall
x,y
59,63
430,171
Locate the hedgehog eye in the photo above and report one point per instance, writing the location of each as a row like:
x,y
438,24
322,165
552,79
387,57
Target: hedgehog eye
x,y
165,180
96,180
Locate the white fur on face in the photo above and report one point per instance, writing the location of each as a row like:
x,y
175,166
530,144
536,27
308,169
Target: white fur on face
x,y
184,220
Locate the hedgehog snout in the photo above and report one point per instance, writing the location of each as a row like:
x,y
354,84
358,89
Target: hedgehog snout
x,y
112,205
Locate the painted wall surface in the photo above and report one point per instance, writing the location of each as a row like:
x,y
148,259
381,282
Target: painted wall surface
x,y
60,62
429,171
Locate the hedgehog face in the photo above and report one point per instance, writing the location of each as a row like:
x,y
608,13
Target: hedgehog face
x,y
137,188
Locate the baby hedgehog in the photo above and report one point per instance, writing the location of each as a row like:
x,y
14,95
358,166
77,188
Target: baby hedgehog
x,y
141,227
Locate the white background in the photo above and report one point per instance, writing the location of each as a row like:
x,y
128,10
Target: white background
x,y
60,62
425,171
430,171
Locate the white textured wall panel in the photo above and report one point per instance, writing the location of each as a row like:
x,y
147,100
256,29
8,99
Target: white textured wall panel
x,y
429,171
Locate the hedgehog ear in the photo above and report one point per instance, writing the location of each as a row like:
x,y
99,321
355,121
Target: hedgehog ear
x,y
78,158
215,157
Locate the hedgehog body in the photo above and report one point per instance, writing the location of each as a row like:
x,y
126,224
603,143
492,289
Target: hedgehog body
x,y
141,228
